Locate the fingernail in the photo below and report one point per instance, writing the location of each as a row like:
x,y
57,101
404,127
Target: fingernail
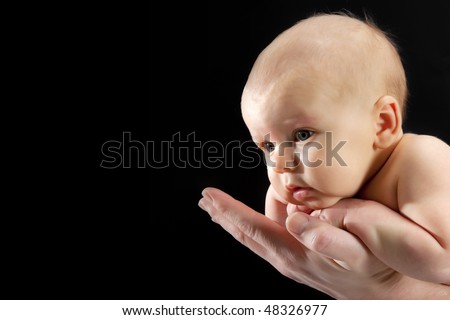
x,y
296,223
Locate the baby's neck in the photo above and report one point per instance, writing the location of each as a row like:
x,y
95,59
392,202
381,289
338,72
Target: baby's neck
x,y
381,156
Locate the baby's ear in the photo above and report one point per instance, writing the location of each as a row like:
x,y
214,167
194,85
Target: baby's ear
x,y
388,121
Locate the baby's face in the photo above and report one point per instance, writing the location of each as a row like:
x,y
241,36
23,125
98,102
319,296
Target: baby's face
x,y
318,145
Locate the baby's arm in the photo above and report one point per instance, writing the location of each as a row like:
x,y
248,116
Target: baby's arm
x,y
275,207
415,242
424,197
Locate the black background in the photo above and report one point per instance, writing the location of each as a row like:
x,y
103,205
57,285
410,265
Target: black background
x,y
137,233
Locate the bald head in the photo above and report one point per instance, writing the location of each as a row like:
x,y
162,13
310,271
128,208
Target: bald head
x,y
352,57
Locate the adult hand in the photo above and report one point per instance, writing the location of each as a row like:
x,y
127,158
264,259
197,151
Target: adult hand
x,y
397,241
316,253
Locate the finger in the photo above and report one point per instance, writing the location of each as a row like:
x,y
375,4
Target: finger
x,y
291,208
263,236
336,215
337,244
216,216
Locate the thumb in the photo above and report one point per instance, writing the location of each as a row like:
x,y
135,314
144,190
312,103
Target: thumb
x,y
330,241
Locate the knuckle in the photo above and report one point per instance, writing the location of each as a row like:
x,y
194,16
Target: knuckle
x,y
246,229
220,207
238,235
243,232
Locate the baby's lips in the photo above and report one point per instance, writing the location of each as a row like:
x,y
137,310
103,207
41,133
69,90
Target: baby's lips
x,y
300,193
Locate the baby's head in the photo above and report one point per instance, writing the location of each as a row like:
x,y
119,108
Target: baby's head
x,y
325,100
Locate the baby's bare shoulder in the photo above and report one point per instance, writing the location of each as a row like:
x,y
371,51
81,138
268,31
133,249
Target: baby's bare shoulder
x,y
421,150
423,163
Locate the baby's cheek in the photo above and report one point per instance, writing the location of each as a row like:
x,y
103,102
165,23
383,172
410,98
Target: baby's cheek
x,y
274,179
342,181
312,156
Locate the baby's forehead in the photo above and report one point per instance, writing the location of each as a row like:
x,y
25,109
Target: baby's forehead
x,y
291,98
294,83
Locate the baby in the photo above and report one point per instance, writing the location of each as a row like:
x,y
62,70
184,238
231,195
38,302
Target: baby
x,y
325,102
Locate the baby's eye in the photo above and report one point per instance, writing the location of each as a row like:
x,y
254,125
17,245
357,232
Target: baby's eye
x,y
302,135
268,146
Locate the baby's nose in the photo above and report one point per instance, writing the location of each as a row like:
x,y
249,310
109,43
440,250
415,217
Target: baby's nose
x,y
284,158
